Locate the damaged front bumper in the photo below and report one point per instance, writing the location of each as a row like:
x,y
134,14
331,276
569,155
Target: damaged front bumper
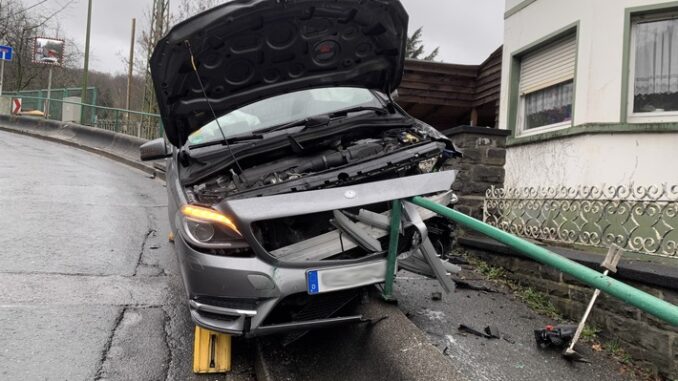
x,y
236,294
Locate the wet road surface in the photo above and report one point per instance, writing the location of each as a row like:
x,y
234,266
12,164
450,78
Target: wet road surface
x,y
482,359
89,284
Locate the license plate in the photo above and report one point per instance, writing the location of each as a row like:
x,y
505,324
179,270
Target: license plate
x,y
345,277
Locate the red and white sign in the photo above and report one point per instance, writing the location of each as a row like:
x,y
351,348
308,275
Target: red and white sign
x,y
16,105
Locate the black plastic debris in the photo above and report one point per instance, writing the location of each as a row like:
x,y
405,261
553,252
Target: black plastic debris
x,y
554,336
493,332
467,329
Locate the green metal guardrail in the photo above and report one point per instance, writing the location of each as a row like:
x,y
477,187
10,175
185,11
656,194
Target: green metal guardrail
x,y
134,123
644,301
35,99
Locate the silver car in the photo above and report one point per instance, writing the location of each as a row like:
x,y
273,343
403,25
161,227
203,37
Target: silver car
x,y
285,150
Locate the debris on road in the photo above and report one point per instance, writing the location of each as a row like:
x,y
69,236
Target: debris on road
x,y
437,296
493,332
489,332
554,336
466,329
468,286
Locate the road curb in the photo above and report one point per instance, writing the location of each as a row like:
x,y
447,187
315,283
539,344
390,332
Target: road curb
x,y
83,138
392,349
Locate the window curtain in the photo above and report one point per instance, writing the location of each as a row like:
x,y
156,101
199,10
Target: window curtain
x,y
656,65
549,106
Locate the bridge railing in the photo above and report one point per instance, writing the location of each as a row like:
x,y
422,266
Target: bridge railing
x,y
135,123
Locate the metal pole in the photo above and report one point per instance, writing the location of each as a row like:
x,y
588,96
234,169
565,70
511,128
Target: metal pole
x,y
2,72
582,323
396,208
130,74
49,92
85,72
644,301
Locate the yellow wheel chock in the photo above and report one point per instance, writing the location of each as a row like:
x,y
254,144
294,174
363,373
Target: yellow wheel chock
x,y
211,351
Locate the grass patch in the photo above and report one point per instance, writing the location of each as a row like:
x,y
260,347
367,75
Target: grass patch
x,y
589,333
490,272
615,349
538,301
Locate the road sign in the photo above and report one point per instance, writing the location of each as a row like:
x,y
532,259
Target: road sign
x,y
16,105
6,53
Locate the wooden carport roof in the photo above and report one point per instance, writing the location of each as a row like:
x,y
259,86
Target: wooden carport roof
x,y
448,95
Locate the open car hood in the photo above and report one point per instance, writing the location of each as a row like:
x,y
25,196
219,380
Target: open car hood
x,y
248,50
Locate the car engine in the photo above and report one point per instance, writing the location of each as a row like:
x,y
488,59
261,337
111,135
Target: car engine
x,y
288,174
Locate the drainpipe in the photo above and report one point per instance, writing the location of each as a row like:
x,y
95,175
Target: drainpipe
x,y
644,301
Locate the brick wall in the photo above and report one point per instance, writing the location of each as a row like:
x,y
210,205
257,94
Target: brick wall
x,y
482,165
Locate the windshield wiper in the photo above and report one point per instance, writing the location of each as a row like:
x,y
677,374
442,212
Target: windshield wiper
x,y
378,110
314,121
323,119
296,123
235,139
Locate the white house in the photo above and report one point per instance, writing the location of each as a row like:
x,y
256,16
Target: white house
x,y
590,92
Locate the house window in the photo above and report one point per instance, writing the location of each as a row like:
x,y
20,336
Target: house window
x,y
654,65
546,86
549,106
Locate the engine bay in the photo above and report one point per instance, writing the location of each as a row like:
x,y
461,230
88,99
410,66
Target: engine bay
x,y
346,159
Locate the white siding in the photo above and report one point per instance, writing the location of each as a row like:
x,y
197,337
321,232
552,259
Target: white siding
x,y
612,159
587,159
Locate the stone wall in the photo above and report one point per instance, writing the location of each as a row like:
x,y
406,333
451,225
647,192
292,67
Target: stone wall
x,y
651,342
482,165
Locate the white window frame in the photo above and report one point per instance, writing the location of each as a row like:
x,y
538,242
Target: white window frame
x,y
520,119
520,129
645,117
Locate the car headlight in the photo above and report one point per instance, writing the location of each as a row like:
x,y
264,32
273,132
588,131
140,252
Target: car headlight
x,y
427,166
202,231
210,228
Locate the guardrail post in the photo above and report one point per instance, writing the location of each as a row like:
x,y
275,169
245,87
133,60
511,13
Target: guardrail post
x,y
394,235
117,120
139,123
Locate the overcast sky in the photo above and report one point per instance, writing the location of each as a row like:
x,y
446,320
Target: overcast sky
x,y
467,31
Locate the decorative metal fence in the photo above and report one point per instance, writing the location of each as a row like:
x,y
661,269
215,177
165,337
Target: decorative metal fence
x,y
642,219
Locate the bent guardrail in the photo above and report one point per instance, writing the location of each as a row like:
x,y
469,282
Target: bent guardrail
x,y
631,295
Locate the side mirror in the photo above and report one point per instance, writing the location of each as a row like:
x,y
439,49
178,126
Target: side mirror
x,y
154,150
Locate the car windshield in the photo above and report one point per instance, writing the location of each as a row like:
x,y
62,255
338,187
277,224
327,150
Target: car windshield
x,y
284,109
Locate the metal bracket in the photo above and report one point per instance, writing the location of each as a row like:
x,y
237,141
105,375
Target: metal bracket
x,y
426,247
612,258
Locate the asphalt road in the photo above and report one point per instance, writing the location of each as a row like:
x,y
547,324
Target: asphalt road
x,y
89,284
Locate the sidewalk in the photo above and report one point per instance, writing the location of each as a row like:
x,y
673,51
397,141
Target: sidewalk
x,y
494,359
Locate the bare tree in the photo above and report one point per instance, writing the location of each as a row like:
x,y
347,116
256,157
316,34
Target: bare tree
x,y
19,24
188,8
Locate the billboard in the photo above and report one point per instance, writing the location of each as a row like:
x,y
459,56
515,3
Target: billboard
x,y
49,51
